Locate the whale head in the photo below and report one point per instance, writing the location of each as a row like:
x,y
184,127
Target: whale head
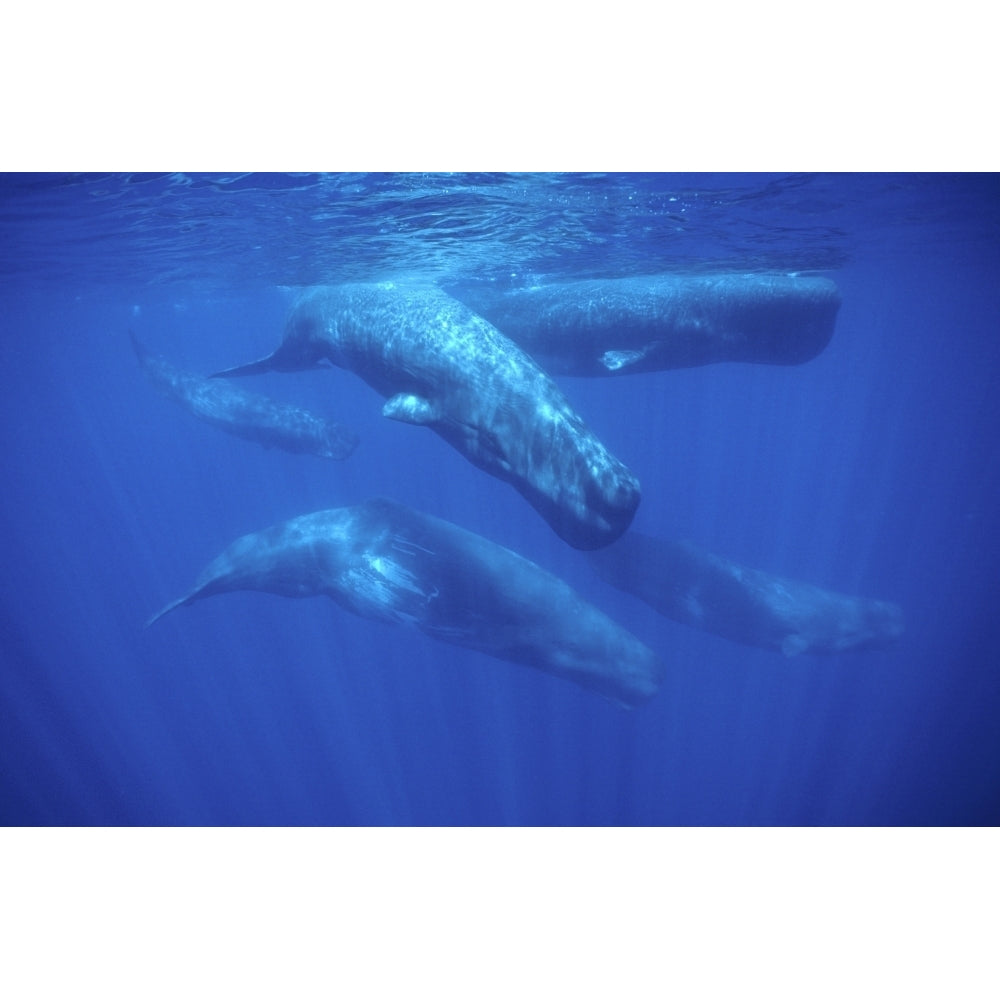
x,y
591,496
546,452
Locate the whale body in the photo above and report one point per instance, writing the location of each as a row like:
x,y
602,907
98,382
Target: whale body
x,y
744,605
249,416
440,365
384,561
623,326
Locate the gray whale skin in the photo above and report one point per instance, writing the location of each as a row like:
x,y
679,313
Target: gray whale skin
x,y
442,366
745,605
622,326
249,416
385,561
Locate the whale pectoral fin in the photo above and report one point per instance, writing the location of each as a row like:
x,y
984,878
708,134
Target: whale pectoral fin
x,y
617,360
411,409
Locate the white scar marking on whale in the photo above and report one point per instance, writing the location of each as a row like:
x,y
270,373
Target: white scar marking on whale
x,y
383,584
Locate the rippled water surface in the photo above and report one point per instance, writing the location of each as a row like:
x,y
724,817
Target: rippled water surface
x,y
233,230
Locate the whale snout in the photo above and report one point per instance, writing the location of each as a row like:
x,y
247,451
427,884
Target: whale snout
x,y
613,495
586,494
589,506
615,488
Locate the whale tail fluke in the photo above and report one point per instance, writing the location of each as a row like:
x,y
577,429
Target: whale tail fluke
x,y
258,367
186,599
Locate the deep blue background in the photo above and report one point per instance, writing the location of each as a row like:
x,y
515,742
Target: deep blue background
x,y
873,469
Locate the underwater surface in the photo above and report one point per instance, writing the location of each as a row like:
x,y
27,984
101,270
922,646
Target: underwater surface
x,y
872,469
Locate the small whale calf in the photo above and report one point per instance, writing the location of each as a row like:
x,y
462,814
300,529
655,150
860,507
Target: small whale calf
x,y
622,326
748,606
249,416
388,562
440,365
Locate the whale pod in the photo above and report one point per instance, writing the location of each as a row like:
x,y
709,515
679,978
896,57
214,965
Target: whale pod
x,y
385,561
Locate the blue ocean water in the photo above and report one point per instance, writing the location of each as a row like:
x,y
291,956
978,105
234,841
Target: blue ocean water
x,y
872,470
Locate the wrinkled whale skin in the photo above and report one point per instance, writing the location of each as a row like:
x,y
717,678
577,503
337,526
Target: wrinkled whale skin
x,y
440,365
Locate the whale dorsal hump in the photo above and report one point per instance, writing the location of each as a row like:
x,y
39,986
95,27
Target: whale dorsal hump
x,y
410,409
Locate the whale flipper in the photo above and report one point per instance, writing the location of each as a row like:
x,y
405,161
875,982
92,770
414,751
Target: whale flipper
x,y
616,361
411,409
